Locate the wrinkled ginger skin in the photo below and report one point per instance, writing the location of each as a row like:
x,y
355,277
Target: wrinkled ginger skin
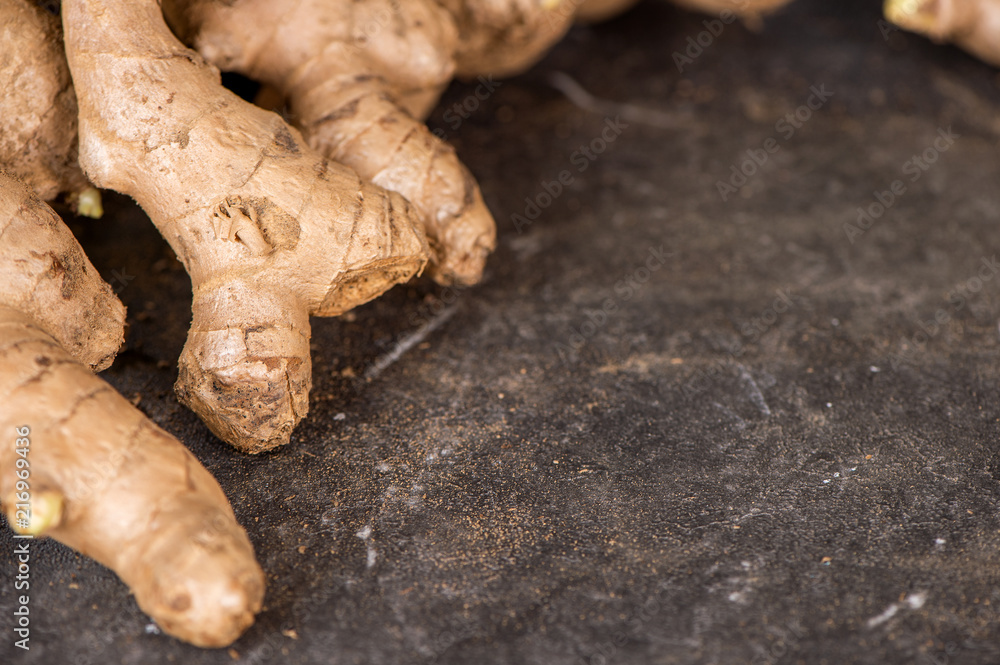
x,y
133,497
46,275
38,106
505,37
357,78
103,478
973,25
269,231
408,44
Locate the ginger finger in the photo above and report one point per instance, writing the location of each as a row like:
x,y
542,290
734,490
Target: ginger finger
x,y
361,126
354,76
122,491
505,37
973,25
101,477
268,230
742,8
750,11
38,141
38,106
46,275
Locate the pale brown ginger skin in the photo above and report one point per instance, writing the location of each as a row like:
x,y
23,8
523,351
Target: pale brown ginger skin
x,y
37,106
269,231
357,78
973,25
103,479
505,37
134,498
747,9
46,276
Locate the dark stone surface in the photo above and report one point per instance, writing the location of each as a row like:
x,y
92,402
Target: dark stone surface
x,y
663,488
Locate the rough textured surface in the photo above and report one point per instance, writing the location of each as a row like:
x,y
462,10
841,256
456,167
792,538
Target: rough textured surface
x,y
593,508
358,79
101,477
505,37
38,107
268,230
46,276
133,498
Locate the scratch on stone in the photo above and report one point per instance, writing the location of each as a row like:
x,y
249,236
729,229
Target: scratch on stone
x,y
407,342
755,395
749,515
365,534
629,112
912,602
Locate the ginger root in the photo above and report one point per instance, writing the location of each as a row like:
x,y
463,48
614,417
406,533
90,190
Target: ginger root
x,y
357,78
93,472
269,231
743,8
506,37
38,138
973,25
48,278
